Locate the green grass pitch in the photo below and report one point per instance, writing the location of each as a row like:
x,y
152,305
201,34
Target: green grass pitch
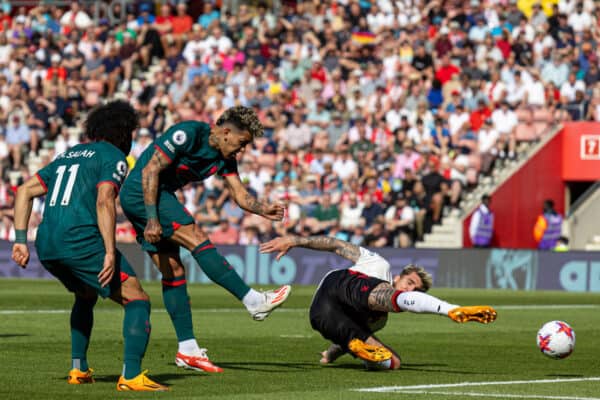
x,y
278,358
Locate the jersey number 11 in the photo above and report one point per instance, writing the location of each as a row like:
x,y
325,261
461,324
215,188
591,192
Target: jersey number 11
x,y
60,171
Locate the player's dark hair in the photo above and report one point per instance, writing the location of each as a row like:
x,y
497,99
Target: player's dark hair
x,y
114,123
425,276
243,118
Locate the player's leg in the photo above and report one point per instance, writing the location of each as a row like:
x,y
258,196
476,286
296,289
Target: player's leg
x,y
136,329
81,320
177,302
330,319
333,352
392,363
218,269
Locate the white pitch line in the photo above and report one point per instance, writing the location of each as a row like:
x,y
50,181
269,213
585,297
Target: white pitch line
x,y
295,336
501,395
383,389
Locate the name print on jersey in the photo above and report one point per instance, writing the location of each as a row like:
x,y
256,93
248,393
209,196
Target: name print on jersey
x,y
77,154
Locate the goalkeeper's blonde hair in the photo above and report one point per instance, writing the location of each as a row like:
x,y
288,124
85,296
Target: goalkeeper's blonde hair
x,y
425,276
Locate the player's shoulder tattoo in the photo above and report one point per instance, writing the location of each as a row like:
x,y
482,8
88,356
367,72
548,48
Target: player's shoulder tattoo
x,y
381,298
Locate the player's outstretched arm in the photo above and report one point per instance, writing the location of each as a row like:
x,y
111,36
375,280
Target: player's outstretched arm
x,y
246,201
387,299
325,243
157,163
23,205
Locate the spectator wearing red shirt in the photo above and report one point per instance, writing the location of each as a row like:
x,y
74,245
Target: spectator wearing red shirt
x,y
5,20
443,45
224,234
446,70
56,71
182,24
479,115
504,45
318,72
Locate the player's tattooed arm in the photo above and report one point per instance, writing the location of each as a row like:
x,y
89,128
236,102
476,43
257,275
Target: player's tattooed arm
x,y
382,298
246,201
150,177
250,203
282,245
326,243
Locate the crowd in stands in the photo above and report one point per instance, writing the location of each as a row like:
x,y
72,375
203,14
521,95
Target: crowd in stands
x,y
378,115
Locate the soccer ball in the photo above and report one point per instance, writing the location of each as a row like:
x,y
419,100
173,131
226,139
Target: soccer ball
x,y
556,339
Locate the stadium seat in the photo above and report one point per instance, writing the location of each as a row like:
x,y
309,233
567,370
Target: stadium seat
x,y
526,132
542,115
540,128
523,114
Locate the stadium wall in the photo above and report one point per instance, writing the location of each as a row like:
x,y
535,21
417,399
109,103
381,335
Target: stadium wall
x,y
518,201
511,269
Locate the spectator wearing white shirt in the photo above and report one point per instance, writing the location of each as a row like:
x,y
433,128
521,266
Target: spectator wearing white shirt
x,y
571,86
296,135
516,90
487,141
394,116
525,28
580,19
504,119
350,213
400,221
218,41
76,17
495,88
457,120
535,94
556,72
478,32
345,167
378,20
197,45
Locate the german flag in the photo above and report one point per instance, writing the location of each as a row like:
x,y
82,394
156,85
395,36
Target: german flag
x,y
363,38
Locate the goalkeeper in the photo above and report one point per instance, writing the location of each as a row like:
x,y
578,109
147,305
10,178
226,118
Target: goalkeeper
x,y
351,304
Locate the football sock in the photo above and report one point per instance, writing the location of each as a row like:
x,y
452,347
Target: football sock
x,y
82,320
419,302
216,267
189,347
253,298
177,303
136,332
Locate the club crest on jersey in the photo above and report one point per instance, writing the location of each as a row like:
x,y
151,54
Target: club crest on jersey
x,y
179,137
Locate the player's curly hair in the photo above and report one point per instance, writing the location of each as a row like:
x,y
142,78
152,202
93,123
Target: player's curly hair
x,y
243,118
425,276
113,122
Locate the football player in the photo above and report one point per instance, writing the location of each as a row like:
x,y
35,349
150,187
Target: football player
x,y
76,240
192,151
351,304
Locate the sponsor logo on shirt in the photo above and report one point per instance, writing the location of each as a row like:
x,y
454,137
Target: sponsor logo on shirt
x,y
169,146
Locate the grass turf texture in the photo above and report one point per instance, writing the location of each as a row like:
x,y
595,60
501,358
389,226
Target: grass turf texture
x,y
278,358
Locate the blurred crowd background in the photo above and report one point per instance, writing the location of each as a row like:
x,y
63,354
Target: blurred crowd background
x,y
379,115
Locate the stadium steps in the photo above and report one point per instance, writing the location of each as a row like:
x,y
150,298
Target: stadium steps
x,y
450,233
593,244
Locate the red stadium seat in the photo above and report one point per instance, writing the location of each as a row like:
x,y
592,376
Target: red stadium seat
x,y
526,132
